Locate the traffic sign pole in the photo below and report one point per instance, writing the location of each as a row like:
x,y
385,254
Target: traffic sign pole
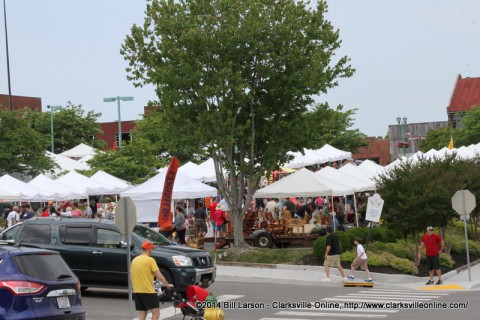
x,y
466,236
463,202
126,219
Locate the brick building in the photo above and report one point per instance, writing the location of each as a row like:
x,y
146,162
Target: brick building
x,y
19,102
377,151
110,132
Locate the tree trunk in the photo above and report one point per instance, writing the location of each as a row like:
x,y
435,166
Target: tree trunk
x,y
237,216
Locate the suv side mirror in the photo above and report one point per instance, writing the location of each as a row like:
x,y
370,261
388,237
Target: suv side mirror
x,y
123,244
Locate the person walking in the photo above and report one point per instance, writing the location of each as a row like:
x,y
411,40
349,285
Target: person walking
x,y
360,261
142,272
179,224
332,255
433,245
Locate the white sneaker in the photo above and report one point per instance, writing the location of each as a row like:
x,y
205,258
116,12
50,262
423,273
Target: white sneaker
x,y
327,280
344,279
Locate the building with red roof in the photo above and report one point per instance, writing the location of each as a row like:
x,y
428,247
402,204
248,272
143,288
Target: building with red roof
x,y
465,96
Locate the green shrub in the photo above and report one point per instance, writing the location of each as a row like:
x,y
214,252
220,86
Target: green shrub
x,y
459,246
446,260
348,256
346,240
359,232
389,260
399,249
319,247
383,234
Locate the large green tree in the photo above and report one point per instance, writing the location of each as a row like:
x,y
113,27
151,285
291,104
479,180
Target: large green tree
x,y
238,76
22,148
72,126
419,194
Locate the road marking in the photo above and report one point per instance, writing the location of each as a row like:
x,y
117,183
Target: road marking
x,y
172,311
326,314
431,296
411,293
443,287
392,298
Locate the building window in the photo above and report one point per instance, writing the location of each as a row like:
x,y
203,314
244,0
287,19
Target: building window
x,y
125,137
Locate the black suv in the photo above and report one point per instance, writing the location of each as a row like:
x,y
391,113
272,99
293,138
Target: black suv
x,y
96,251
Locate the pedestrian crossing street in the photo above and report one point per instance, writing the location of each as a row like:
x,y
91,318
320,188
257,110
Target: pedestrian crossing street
x,y
368,295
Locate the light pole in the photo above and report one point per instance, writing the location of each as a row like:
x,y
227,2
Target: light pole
x,y
119,117
8,60
403,124
52,109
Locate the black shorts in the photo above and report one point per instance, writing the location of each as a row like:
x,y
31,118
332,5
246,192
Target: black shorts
x,y
433,262
146,301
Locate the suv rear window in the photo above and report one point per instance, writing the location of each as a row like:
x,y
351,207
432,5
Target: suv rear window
x,y
43,266
36,233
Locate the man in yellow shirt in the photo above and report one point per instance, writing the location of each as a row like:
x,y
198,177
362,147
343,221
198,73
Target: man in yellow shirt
x,y
142,271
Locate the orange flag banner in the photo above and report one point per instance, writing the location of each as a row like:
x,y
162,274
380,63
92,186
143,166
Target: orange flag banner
x,y
165,215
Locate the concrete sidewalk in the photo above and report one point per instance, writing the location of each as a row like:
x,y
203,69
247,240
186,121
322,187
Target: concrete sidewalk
x,y
312,275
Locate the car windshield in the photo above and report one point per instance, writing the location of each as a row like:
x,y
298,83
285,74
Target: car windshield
x,y
151,235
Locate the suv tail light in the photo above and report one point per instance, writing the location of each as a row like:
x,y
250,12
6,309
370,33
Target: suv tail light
x,y
22,287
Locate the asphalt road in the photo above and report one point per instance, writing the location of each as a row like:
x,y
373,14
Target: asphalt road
x,y
251,301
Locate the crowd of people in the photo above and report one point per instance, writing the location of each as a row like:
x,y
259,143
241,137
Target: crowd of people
x,y
95,209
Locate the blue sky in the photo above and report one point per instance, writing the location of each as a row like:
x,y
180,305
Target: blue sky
x,y
407,55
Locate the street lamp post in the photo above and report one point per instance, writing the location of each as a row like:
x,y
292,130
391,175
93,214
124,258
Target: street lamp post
x,y
52,109
403,124
119,117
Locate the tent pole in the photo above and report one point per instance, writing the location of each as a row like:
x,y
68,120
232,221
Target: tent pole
x,y
355,204
334,216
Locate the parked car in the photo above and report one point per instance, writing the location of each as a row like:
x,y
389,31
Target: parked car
x,y
96,251
37,284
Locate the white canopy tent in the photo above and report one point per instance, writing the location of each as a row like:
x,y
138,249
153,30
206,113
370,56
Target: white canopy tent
x,y
356,171
92,187
24,191
371,167
197,172
357,183
147,196
79,151
65,164
209,167
118,184
62,191
326,153
7,195
303,183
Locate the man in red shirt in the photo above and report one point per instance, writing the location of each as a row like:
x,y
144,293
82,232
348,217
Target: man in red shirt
x,y
431,242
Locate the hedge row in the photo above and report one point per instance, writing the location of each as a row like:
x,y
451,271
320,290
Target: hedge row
x,y
380,234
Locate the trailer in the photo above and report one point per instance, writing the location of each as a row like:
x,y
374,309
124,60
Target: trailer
x,y
262,231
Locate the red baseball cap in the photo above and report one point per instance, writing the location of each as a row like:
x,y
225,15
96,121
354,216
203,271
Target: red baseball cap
x,y
147,245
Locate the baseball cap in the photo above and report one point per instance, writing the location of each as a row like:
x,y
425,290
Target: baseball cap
x,y
147,245
430,229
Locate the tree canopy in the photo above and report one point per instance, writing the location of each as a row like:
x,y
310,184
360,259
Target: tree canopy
x,y
467,133
72,126
22,147
238,76
419,194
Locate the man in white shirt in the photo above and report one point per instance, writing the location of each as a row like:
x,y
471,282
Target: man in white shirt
x,y
13,217
273,207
